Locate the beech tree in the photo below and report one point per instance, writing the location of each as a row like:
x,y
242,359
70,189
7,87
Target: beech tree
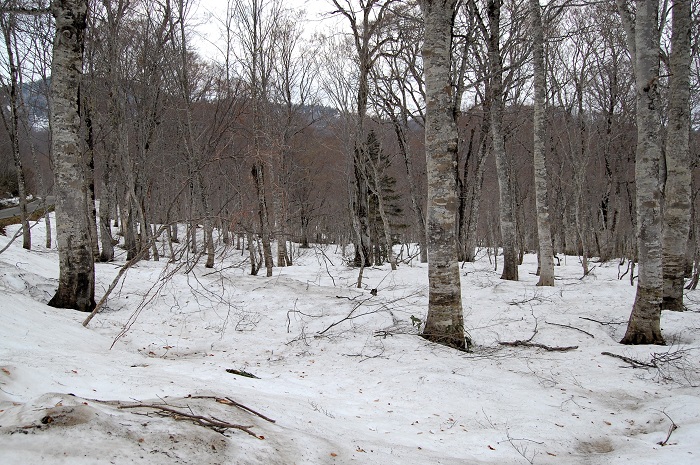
x,y
76,283
644,325
545,255
444,323
10,118
678,175
503,164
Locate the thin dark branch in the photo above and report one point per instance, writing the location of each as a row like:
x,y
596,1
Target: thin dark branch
x,y
539,346
635,363
570,327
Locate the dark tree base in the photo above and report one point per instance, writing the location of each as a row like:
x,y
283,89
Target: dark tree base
x,y
77,295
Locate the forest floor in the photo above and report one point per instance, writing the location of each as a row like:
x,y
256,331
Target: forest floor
x,y
343,373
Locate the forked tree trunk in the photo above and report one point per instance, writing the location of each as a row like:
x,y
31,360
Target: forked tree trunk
x,y
544,235
444,323
76,284
505,188
678,177
259,178
645,320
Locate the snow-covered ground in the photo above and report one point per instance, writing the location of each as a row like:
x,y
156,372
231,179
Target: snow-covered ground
x,y
342,372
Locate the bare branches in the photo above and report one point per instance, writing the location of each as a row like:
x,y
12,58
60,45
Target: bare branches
x,y
127,265
229,401
672,365
350,316
529,343
671,429
604,323
571,327
22,9
202,420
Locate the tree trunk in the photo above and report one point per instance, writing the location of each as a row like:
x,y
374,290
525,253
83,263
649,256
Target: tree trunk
x,y
400,129
363,251
8,29
505,188
475,201
89,161
76,285
645,320
128,229
678,181
107,252
544,235
444,323
259,178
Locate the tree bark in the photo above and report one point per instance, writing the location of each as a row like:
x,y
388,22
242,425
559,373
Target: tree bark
x,y
12,126
645,320
444,323
505,188
259,178
678,176
544,234
76,285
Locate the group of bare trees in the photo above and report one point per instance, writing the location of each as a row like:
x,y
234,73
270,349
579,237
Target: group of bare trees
x,y
451,124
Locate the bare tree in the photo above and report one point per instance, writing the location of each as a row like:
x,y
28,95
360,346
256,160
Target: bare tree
x,y
257,23
545,255
645,320
503,164
444,323
366,20
399,97
678,175
11,121
76,285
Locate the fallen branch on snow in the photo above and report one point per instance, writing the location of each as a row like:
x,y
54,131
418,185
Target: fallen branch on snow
x,y
539,346
635,363
671,429
207,422
571,327
229,401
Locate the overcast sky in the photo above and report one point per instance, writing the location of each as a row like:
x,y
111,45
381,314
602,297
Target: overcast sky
x,y
209,28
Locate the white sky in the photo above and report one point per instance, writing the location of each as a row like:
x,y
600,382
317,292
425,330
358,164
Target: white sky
x,y
209,30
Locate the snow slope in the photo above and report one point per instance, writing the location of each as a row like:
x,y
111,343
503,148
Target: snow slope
x,y
343,373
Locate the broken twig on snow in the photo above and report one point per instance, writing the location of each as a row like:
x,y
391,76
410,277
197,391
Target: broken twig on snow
x,y
671,429
539,346
635,363
570,327
229,401
207,422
